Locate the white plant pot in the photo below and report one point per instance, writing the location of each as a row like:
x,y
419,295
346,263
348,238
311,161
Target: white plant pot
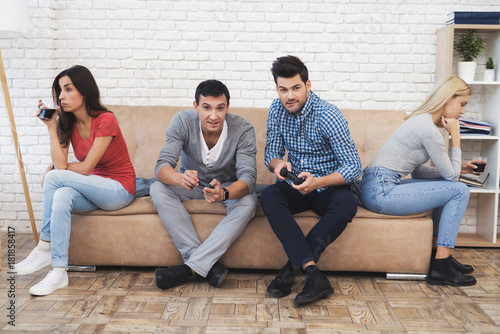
x,y
467,70
489,75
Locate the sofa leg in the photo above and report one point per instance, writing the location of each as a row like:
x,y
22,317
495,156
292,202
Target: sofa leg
x,y
410,277
81,268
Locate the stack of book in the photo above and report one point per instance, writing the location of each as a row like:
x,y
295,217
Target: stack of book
x,y
474,180
474,127
473,18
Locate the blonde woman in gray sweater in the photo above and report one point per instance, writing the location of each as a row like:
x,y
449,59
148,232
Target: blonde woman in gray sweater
x,y
432,187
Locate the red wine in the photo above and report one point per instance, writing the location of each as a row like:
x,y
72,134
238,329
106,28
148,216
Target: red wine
x,y
480,167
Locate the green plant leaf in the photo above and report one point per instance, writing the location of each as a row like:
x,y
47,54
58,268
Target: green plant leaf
x,y
470,45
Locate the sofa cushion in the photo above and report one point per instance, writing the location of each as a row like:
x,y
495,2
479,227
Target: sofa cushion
x,y
396,246
143,205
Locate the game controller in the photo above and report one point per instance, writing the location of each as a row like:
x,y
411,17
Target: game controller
x,y
202,185
285,173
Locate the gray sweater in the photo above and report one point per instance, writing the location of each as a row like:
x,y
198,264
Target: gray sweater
x,y
236,162
412,145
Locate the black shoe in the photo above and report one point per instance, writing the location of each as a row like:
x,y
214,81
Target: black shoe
x,y
316,286
442,272
171,276
281,285
217,274
463,268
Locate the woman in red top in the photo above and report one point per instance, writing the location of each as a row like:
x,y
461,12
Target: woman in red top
x,y
102,178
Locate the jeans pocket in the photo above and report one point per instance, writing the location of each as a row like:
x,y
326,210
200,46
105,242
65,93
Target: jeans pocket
x,y
388,183
374,187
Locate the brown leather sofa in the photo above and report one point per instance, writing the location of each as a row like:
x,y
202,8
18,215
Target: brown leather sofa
x,y
135,236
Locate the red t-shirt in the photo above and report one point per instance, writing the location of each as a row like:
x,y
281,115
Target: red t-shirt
x,y
115,162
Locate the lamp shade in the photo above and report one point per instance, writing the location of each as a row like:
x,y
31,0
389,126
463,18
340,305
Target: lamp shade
x,y
14,17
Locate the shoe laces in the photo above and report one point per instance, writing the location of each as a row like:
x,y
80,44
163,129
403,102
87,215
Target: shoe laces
x,y
53,277
35,253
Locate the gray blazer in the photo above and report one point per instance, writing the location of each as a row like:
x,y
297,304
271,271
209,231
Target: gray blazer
x,y
236,162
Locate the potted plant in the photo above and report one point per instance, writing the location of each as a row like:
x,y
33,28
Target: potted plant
x,y
469,47
489,72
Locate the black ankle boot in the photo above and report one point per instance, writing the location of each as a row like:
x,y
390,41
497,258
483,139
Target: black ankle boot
x,y
171,276
463,268
442,272
281,286
316,286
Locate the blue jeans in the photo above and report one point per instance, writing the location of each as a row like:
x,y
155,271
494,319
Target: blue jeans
x,y
382,191
65,191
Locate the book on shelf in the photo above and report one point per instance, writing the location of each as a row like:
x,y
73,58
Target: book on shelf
x,y
474,126
474,180
473,18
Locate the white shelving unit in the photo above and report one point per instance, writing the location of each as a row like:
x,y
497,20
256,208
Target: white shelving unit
x,y
487,210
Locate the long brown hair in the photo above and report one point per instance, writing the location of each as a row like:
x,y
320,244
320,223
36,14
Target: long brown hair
x,y
85,84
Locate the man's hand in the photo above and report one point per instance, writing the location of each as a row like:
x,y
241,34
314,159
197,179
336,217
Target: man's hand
x,y
278,168
308,185
213,195
189,179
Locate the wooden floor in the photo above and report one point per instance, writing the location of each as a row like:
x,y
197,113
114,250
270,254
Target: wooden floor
x,y
113,300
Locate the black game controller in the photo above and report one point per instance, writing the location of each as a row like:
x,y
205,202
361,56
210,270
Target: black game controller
x,y
285,173
202,185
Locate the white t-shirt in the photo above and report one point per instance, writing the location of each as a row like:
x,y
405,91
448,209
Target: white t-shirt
x,y
210,157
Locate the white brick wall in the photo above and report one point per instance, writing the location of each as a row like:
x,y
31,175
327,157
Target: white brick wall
x,y
372,54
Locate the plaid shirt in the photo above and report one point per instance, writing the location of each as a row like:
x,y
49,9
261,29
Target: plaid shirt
x,y
317,140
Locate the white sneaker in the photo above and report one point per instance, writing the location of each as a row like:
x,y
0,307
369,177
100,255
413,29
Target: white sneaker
x,y
34,262
53,281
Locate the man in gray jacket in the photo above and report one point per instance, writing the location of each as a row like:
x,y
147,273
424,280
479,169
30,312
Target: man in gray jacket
x,y
217,163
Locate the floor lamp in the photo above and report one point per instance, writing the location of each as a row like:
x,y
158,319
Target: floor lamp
x,y
14,21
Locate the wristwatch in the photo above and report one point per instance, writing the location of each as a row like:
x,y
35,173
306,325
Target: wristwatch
x,y
226,194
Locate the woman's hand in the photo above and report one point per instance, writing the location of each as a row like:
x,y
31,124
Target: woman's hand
x,y
45,173
469,167
52,120
451,125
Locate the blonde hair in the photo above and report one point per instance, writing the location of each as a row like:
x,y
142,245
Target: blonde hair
x,y
444,90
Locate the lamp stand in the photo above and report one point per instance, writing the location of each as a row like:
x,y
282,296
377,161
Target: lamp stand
x,y
8,105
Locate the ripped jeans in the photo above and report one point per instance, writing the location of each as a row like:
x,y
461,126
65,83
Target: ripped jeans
x,y
383,191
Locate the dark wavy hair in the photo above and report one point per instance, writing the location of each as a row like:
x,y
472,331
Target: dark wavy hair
x,y
213,88
288,67
86,85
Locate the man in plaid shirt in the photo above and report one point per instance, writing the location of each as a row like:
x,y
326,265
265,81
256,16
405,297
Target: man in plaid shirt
x,y
320,151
